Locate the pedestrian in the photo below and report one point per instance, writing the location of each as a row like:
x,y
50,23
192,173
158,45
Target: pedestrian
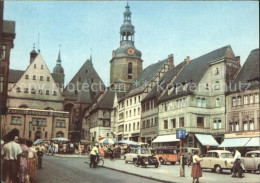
x,y
196,171
10,153
93,156
33,160
102,153
23,173
40,153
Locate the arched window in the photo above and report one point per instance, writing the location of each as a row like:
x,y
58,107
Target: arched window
x,y
130,68
59,134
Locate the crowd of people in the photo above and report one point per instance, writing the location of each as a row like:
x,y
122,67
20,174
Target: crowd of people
x,y
64,147
19,158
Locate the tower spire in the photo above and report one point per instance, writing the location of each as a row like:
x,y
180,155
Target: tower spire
x,y
58,69
59,59
39,43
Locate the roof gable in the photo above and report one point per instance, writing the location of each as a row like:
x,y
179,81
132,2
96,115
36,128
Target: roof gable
x,y
34,84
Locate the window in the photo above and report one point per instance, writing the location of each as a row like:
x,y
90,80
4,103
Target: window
x,y
34,66
121,115
106,123
39,122
134,112
130,68
139,98
46,134
129,113
234,101
34,77
137,125
165,124
41,66
251,99
126,128
92,80
198,102
183,104
54,93
3,52
126,102
143,126
130,101
219,124
135,100
181,122
41,78
60,123
155,121
18,89
203,102
47,92
245,126
217,102
147,106
173,123
239,100
40,92
138,111
200,121
129,127
129,76
256,97
134,126
165,107
26,76
148,123
33,91
245,99
231,127
48,78
217,85
207,86
59,134
237,126
216,71
26,90
143,108
152,122
251,125
126,114
215,125
16,120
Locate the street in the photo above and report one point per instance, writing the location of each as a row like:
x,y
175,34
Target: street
x,y
65,169
74,170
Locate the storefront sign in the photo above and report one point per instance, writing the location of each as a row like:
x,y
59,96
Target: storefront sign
x,y
243,134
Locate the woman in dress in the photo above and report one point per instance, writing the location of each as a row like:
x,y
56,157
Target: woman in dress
x,y
23,173
102,153
33,159
196,171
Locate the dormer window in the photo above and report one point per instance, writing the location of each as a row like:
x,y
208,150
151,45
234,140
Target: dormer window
x,y
216,71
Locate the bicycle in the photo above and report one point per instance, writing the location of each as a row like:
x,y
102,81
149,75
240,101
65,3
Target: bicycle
x,y
99,161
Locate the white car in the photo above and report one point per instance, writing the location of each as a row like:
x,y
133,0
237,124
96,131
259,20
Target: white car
x,y
217,160
252,161
132,156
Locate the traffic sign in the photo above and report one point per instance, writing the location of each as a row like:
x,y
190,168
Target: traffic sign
x,y
180,134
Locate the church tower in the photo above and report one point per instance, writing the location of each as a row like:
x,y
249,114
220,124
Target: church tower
x,y
126,62
58,73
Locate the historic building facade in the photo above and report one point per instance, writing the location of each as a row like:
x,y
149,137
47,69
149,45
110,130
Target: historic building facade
x,y
196,99
126,62
242,117
35,102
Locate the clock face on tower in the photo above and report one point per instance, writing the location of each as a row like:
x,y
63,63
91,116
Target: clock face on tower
x,y
130,51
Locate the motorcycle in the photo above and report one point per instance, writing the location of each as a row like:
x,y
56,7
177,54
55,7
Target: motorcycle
x,y
146,160
237,169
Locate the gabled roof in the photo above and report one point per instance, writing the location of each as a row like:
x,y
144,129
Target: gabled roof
x,y
162,83
107,100
84,95
145,77
15,75
193,72
249,73
88,74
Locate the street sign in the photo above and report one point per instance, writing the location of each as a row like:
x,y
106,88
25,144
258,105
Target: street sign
x,y
180,134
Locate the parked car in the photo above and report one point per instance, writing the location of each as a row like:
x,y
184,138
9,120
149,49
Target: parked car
x,y
251,161
146,160
166,154
217,160
132,156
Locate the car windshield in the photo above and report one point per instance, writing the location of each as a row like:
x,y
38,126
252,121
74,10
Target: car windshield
x,y
226,155
145,151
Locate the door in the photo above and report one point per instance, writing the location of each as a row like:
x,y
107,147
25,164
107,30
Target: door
x,y
206,160
38,135
249,161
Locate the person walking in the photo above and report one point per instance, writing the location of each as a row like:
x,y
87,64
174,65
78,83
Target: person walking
x,y
40,153
23,173
10,154
93,156
33,160
196,171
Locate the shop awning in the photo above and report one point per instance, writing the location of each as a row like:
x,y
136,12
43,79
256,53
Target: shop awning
x,y
206,140
253,142
166,138
234,142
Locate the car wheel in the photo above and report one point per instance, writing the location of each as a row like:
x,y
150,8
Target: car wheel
x,y
218,169
156,166
161,161
173,163
126,162
124,157
135,162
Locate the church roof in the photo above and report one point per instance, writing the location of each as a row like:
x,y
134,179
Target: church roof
x,y
167,77
87,74
145,77
249,73
194,70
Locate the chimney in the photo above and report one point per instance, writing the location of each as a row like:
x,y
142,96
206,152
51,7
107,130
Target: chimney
x,y
238,59
187,59
171,62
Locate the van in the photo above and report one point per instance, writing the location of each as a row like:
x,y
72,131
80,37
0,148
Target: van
x,y
166,154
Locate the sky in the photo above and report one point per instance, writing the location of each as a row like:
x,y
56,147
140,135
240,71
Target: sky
x,y
161,28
